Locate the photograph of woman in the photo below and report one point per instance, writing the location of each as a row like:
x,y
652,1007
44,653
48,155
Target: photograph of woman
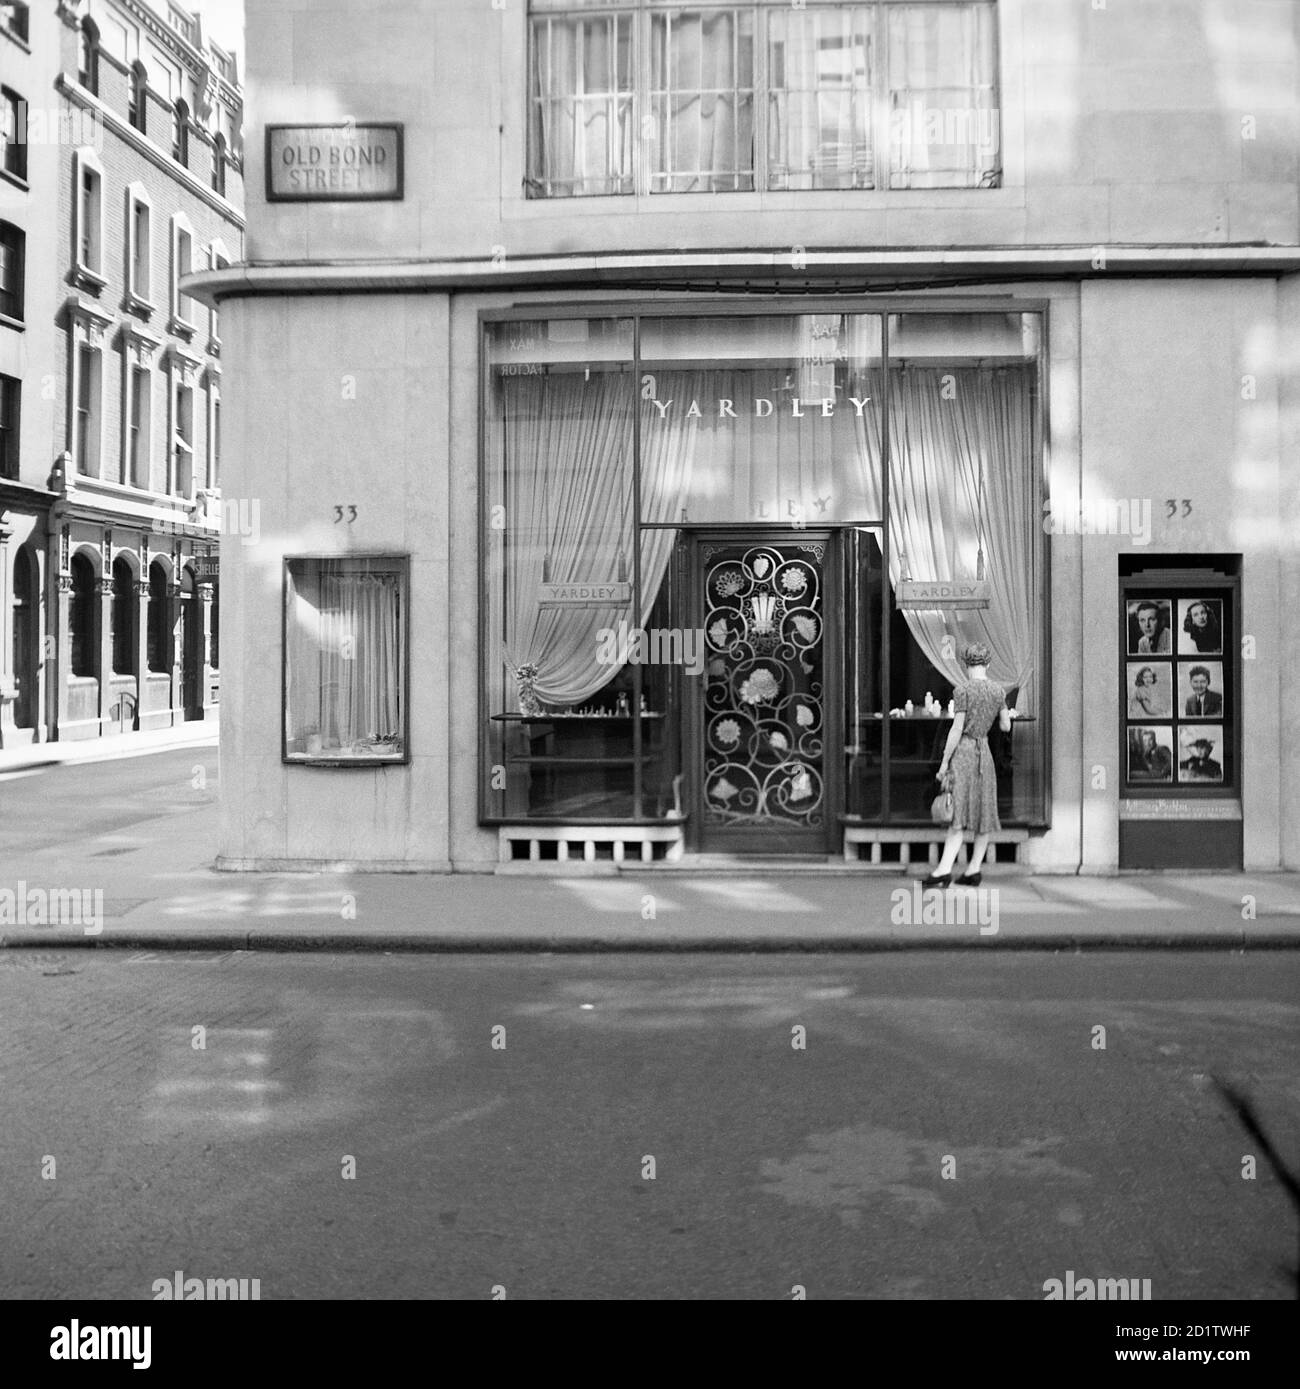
x,y
978,703
1150,692
1200,758
1201,621
1150,754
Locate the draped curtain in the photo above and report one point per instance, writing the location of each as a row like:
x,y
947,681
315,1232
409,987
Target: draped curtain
x,y
343,667
568,497
948,425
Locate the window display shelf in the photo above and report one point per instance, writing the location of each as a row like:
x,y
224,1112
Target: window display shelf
x,y
570,718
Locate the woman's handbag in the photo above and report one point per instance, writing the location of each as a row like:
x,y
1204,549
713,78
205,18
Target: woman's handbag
x,y
941,808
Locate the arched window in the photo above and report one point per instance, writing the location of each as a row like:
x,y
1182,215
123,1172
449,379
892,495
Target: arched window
x,y
82,616
123,617
219,164
181,132
138,105
88,57
159,638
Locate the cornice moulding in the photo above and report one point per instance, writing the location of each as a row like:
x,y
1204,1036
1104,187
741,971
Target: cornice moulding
x,y
738,269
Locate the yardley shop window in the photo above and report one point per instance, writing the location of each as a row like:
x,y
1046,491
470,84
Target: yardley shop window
x,y
696,533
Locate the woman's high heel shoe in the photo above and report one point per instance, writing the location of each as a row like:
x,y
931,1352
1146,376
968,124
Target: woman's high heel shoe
x,y
970,879
936,880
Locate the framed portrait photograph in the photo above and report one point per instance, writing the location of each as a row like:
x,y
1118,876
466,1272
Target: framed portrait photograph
x,y
1150,753
1200,689
1200,626
1149,622
1200,753
1150,690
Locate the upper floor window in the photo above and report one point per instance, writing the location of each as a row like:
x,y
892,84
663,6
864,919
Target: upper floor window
x,y
647,98
88,228
181,305
182,23
139,242
219,164
86,422
137,111
181,132
88,56
13,18
10,398
13,133
13,244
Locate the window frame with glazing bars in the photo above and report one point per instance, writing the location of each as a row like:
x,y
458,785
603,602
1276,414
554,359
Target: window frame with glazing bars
x,y
11,419
13,135
639,115
12,295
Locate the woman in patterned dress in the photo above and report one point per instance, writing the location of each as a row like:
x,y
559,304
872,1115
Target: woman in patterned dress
x,y
977,701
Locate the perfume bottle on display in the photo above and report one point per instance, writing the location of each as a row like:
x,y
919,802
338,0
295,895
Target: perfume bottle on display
x,y
909,709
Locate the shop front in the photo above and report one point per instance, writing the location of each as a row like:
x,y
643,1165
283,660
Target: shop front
x,y
729,563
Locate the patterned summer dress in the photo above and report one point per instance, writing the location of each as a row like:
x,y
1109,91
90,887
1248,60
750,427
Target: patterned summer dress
x,y
975,779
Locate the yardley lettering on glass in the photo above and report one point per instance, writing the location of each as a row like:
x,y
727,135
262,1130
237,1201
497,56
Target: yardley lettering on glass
x,y
799,408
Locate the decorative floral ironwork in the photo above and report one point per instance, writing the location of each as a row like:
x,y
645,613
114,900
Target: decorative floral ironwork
x,y
763,688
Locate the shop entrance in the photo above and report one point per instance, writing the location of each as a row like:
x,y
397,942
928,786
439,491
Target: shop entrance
x,y
191,647
764,743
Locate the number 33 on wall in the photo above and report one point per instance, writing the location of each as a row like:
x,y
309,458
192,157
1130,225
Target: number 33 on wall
x,y
339,510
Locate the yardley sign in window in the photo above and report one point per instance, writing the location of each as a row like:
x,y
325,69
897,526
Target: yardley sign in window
x,y
333,163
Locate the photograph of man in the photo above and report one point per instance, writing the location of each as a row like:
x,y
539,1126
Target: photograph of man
x,y
1196,690
1150,754
1148,627
1150,691
1199,758
1201,625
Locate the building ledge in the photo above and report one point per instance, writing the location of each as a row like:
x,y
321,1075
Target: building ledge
x,y
844,270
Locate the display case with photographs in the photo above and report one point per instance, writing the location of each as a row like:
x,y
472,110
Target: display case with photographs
x,y
1178,695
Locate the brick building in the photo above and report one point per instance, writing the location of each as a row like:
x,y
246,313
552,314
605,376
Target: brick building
x,y
122,173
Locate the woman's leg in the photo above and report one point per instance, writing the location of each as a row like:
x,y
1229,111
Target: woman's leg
x,y
977,852
951,847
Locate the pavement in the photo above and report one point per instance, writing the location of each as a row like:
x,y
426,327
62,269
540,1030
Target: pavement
x,y
151,885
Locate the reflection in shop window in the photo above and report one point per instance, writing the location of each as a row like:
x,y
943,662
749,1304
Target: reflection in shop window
x,y
345,660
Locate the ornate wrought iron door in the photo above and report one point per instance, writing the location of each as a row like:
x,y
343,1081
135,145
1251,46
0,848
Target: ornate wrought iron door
x,y
764,696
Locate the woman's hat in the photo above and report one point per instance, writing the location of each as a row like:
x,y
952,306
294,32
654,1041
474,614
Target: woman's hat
x,y
977,654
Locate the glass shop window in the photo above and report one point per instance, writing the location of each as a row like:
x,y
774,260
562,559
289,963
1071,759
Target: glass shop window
x,y
345,644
